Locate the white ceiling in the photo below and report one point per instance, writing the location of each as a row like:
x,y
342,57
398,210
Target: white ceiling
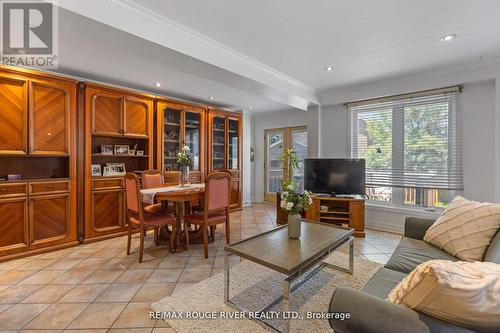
x,y
271,54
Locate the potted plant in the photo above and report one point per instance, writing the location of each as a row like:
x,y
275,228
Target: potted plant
x,y
294,203
290,162
185,161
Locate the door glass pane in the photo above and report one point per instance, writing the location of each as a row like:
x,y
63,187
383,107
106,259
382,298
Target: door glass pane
x,y
233,144
171,138
275,144
219,138
299,145
192,139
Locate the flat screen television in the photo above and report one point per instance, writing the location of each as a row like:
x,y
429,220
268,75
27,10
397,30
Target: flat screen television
x,y
339,176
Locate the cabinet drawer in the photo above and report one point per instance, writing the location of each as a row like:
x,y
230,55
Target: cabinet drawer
x,y
49,187
107,183
13,190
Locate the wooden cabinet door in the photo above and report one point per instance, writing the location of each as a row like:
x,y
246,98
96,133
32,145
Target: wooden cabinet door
x,y
107,114
49,119
136,115
13,225
49,219
13,116
107,212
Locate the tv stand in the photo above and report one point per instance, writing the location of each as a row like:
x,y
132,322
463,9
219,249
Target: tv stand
x,y
344,211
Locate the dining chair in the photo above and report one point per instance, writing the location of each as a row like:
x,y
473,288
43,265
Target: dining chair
x,y
138,218
152,179
215,207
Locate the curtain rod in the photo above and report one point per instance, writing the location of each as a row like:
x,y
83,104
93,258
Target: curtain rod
x,y
405,96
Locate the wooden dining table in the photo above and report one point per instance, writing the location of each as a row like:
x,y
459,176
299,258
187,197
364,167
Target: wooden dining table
x,y
179,195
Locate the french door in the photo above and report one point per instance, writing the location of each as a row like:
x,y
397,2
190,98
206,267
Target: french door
x,y
276,142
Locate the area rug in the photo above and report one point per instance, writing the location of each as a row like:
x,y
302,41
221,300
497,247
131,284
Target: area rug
x,y
252,287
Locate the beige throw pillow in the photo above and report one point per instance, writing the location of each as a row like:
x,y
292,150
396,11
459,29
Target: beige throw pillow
x,y
463,293
465,229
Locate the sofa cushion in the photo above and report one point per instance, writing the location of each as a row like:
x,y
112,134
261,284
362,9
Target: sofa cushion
x,y
458,292
383,282
493,252
465,229
412,252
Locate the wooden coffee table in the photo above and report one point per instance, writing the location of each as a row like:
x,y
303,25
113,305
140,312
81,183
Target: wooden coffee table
x,y
292,257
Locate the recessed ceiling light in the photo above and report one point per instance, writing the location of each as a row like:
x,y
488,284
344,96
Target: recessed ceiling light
x,y
250,107
211,97
158,84
449,37
329,68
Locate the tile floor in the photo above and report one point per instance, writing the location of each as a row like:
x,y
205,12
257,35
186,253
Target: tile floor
x,y
98,288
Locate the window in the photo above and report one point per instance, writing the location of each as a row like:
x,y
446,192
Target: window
x,y
411,146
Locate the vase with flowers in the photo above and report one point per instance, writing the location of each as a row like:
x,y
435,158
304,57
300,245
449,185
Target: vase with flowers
x,y
185,161
294,203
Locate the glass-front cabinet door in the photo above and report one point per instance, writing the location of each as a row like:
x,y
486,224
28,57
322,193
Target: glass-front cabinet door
x,y
218,143
171,138
233,145
192,136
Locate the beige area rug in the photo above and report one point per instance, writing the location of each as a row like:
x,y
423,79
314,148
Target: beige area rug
x,y
253,286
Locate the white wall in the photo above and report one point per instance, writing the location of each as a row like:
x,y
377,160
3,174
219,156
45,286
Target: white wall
x,y
288,118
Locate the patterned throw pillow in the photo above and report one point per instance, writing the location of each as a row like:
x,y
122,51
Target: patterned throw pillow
x,y
465,229
466,294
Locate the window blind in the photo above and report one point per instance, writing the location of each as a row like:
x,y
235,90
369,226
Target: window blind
x,y
411,141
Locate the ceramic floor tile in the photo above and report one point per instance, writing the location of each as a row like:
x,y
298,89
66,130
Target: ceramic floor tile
x,y
191,275
36,264
181,286
14,277
119,292
103,276
63,264
165,275
20,314
16,294
73,276
57,316
173,262
42,277
135,315
152,292
134,275
91,263
98,315
49,294
84,293
200,262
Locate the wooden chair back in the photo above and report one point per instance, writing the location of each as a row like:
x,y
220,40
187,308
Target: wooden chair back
x,y
217,192
152,179
133,197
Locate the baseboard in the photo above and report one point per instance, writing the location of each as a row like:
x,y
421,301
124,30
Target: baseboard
x,y
247,203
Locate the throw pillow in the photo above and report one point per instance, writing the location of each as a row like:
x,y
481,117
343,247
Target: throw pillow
x,y
465,294
465,229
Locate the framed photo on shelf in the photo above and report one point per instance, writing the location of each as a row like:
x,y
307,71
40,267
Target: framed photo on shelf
x,y
107,171
168,167
121,149
131,152
107,149
95,170
140,152
120,169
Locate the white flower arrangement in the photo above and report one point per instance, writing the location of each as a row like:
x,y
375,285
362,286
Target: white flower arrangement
x,y
295,203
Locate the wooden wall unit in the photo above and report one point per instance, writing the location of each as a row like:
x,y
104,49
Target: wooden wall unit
x,y
225,149
57,203
113,117
342,211
179,124
37,141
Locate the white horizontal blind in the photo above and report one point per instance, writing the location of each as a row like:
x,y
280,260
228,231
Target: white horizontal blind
x,y
409,142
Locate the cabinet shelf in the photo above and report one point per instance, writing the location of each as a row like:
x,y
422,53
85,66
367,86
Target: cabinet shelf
x,y
172,124
120,136
106,155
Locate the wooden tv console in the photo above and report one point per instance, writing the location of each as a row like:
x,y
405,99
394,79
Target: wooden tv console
x,y
341,211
